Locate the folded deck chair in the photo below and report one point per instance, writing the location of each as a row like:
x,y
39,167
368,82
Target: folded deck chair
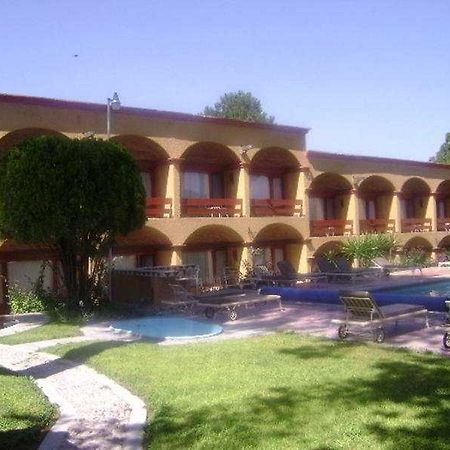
x,y
388,267
333,272
344,265
362,310
288,272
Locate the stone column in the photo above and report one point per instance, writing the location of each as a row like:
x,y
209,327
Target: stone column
x,y
303,189
177,256
243,190
431,211
174,185
353,210
396,211
246,258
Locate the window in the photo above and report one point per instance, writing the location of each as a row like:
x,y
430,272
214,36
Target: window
x,y
202,185
210,262
264,187
147,182
200,259
370,208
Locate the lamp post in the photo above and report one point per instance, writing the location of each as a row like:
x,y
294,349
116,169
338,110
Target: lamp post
x,y
111,104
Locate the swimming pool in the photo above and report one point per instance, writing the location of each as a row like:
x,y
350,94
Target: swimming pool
x,y
432,288
417,293
166,327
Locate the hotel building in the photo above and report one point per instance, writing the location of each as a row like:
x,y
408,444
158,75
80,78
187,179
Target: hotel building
x,y
224,193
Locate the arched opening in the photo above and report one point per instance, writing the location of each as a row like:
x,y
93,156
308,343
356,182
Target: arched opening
x,y
375,195
146,247
329,205
443,249
210,174
152,160
443,206
277,242
329,250
213,248
274,178
415,203
417,247
14,138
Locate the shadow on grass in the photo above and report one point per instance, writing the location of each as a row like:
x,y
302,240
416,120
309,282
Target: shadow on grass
x,y
397,403
76,356
22,439
413,386
272,418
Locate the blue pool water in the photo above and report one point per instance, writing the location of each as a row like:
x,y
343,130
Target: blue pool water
x,y
432,295
433,288
163,327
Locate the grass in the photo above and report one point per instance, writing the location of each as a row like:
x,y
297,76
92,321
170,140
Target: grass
x,y
45,332
25,413
281,392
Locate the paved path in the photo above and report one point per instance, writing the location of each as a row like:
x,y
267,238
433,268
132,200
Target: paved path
x,y
95,412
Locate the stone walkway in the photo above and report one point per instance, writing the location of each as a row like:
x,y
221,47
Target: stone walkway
x,y
95,412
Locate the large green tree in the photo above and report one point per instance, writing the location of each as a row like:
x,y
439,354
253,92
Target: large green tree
x,y
239,105
443,155
73,196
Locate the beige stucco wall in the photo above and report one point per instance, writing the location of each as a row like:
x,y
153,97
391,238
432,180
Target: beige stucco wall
x,y
177,136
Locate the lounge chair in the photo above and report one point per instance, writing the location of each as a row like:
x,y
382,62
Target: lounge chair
x,y
344,265
288,272
362,310
388,267
335,273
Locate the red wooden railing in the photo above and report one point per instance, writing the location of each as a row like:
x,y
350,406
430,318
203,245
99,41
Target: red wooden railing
x,y
377,226
279,207
158,207
212,207
443,224
331,227
415,225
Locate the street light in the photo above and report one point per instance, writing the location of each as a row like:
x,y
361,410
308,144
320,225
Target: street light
x,y
111,104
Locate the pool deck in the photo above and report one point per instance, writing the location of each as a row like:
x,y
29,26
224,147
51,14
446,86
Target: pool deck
x,y
316,319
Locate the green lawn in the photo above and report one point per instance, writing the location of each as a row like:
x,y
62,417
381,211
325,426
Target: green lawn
x,y
24,413
48,331
281,392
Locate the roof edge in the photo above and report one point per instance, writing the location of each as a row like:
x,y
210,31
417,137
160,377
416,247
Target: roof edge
x,y
341,156
151,113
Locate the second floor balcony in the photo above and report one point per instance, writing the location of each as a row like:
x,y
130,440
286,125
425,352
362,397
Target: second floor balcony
x,y
416,225
211,207
333,227
377,226
158,207
276,207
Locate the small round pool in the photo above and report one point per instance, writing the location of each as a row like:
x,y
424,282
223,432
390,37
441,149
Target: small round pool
x,y
165,327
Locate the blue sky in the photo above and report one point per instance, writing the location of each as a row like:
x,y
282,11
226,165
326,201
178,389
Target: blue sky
x,y
369,77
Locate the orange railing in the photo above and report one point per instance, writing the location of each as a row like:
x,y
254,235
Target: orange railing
x,y
212,207
332,227
280,207
443,224
158,207
377,226
416,225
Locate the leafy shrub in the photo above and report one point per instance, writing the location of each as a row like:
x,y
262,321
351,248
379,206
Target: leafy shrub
x,y
366,247
24,300
416,257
